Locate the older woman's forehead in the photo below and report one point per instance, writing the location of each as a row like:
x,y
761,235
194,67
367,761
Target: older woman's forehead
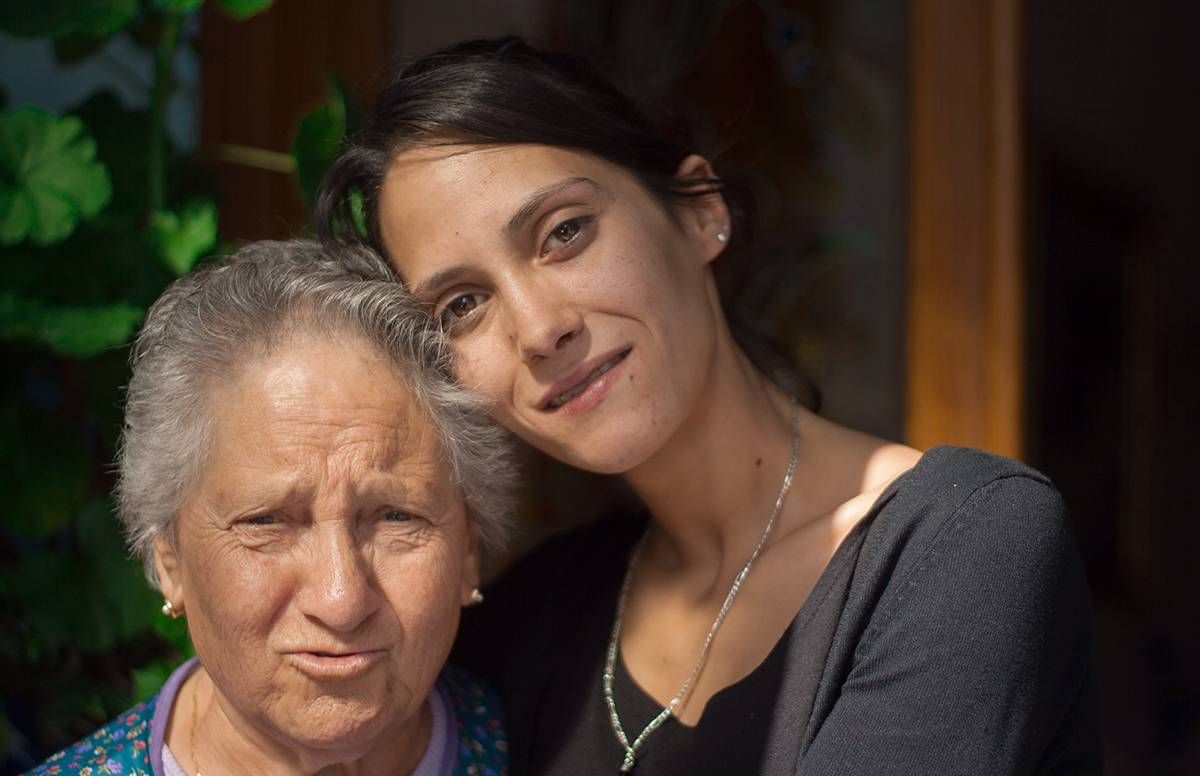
x,y
325,404
333,491
326,469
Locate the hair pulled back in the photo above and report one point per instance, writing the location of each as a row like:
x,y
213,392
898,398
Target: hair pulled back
x,y
501,91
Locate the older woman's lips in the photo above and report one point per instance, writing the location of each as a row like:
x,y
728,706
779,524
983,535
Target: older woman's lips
x,y
325,665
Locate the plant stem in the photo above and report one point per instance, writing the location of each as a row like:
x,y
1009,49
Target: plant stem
x,y
164,59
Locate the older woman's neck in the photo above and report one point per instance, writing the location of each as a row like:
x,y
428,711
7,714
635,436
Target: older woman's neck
x,y
712,487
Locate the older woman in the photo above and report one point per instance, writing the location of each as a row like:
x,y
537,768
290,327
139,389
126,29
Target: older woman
x,y
313,495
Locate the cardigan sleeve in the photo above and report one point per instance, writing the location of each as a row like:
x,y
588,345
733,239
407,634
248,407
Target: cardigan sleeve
x,y
977,659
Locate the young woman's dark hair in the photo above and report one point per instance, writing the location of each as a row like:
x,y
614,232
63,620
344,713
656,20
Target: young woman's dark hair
x,y
501,92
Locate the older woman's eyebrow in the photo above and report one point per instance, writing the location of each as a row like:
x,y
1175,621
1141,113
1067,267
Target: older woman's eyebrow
x,y
539,197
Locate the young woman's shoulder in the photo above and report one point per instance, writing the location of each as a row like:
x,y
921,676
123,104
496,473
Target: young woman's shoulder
x,y
966,624
981,519
960,489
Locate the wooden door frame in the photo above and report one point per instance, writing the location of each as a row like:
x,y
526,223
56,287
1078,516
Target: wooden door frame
x,y
965,292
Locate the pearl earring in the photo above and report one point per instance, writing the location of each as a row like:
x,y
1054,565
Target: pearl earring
x,y
169,610
476,598
722,237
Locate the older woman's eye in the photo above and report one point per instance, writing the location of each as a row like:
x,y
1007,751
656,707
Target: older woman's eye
x,y
397,516
264,519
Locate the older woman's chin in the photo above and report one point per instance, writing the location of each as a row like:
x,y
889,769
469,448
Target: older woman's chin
x,y
350,721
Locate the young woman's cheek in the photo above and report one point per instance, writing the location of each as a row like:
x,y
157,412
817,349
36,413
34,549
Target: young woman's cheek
x,y
482,365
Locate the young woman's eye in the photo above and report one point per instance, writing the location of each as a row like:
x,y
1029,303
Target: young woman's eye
x,y
460,307
565,233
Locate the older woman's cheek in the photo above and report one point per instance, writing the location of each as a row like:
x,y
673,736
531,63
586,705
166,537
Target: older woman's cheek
x,y
422,589
242,599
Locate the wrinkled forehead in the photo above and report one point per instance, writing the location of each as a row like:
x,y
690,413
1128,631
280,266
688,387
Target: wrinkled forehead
x,y
322,390
320,420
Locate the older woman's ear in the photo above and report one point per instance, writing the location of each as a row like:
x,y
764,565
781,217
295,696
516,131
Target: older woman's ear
x,y
469,593
170,581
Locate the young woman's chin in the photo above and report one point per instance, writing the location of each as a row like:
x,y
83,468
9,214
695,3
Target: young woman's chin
x,y
621,443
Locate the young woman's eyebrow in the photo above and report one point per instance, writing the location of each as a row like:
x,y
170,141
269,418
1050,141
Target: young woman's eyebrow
x,y
537,198
439,279
528,209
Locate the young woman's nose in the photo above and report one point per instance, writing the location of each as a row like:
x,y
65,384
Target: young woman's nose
x,y
542,323
339,588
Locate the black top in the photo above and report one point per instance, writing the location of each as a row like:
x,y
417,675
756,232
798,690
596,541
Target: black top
x,y
949,634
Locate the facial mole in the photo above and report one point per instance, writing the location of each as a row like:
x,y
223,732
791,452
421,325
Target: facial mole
x,y
758,462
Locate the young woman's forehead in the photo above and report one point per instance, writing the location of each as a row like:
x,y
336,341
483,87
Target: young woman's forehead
x,y
502,166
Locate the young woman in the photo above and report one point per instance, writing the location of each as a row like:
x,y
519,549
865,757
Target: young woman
x,y
797,597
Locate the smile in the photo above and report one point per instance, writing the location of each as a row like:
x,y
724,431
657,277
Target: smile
x,y
577,386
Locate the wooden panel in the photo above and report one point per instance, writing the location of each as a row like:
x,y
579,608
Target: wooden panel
x,y
965,280
259,77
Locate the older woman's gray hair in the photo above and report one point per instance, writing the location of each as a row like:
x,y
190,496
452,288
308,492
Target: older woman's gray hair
x,y
206,325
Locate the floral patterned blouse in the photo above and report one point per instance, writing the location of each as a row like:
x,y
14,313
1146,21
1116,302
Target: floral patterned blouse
x,y
126,745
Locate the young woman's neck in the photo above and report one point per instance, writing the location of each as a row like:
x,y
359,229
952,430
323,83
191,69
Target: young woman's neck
x,y
711,489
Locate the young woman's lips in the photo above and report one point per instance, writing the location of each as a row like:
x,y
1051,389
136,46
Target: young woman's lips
x,y
325,665
590,389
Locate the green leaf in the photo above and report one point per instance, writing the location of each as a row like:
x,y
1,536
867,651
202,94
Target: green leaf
x,y
358,210
318,139
148,680
174,631
60,18
89,598
85,331
178,6
49,176
127,601
244,9
78,332
48,468
182,237
122,136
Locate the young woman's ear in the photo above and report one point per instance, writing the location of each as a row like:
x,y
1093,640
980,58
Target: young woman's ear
x,y
705,218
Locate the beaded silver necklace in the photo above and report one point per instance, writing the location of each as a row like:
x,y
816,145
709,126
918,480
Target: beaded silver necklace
x,y
610,662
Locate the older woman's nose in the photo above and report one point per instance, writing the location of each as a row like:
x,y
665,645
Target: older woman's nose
x,y
339,589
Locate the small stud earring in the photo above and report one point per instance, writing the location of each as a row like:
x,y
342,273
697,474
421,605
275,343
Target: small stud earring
x,y
722,237
476,598
169,610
